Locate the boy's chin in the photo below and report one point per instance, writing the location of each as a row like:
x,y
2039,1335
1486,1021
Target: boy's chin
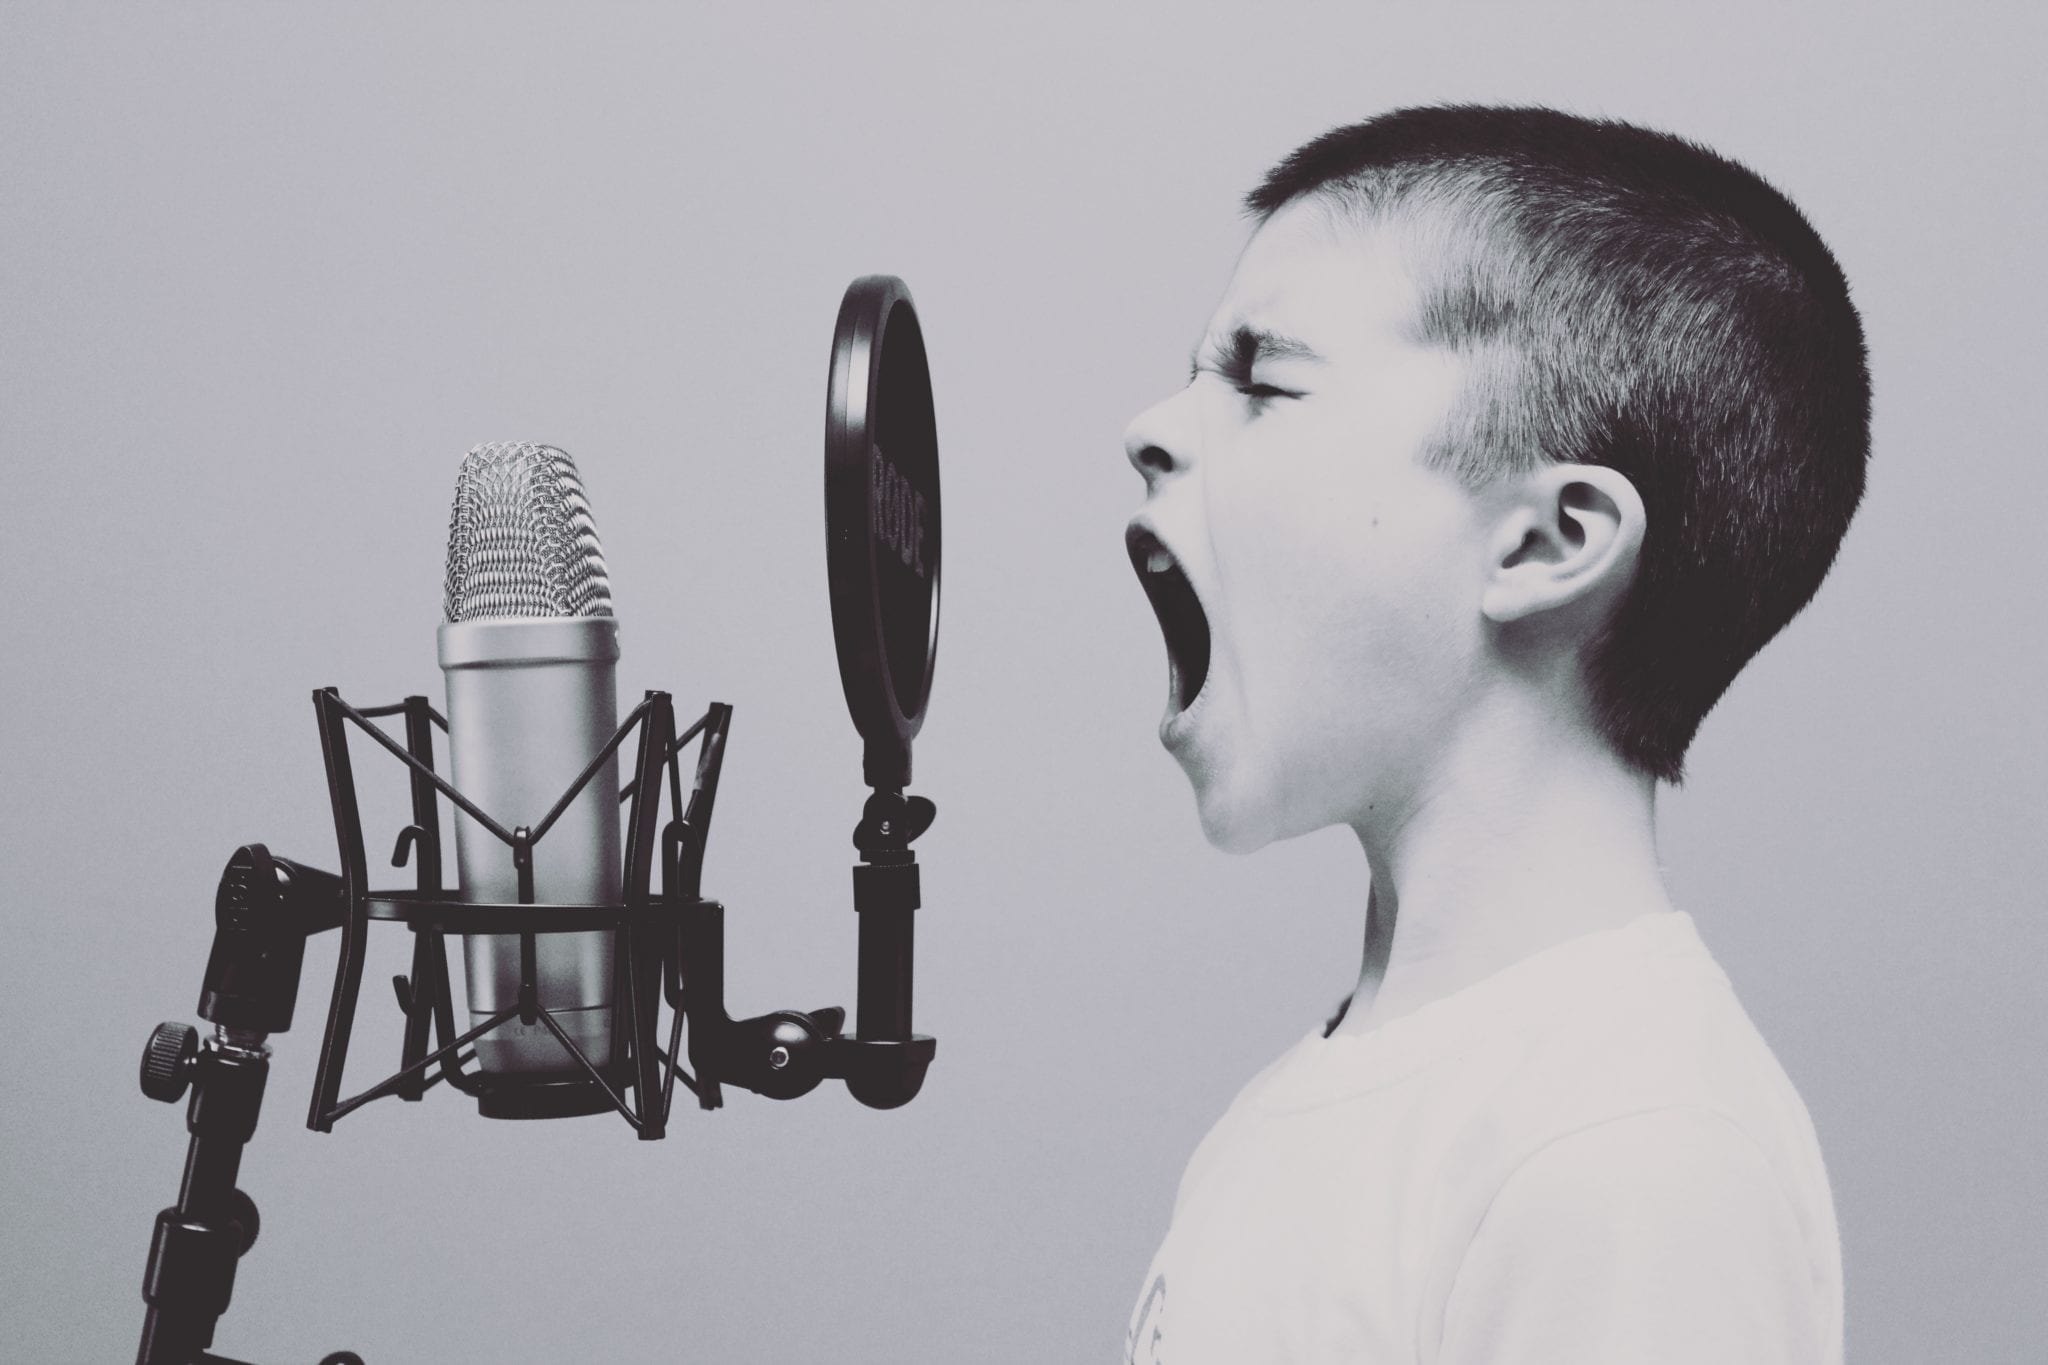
x,y
1240,815
1231,822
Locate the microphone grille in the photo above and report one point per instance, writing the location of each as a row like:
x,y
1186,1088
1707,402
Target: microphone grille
x,y
521,541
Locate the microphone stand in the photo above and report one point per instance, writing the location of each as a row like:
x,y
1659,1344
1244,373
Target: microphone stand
x,y
264,911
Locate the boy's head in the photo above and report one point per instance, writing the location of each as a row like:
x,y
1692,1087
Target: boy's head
x,y
1496,398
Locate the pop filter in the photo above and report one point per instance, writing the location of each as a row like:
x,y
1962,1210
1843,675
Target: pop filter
x,y
882,521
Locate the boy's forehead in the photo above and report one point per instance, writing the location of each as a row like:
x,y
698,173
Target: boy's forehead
x,y
1310,273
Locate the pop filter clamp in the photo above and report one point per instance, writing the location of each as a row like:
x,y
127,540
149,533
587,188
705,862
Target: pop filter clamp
x,y
882,535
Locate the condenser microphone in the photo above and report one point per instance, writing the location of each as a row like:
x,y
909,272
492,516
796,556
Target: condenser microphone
x,y
530,651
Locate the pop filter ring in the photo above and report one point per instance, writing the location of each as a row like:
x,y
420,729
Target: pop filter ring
x,y
882,526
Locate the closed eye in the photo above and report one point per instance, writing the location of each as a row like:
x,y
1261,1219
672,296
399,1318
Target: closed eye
x,y
1233,359
1258,395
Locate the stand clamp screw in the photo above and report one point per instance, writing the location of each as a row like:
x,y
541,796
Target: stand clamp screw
x,y
167,1061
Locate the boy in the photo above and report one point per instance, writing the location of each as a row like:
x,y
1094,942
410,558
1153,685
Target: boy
x,y
1514,437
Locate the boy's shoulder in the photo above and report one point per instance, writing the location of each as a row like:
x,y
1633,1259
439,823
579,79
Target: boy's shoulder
x,y
1625,1020
1637,1020
1618,1037
1644,1109
1629,1021
1608,1096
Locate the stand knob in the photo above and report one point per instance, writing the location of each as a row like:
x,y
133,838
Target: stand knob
x,y
243,1217
167,1061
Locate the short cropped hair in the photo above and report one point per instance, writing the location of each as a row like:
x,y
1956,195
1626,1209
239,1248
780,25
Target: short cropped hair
x,y
1630,299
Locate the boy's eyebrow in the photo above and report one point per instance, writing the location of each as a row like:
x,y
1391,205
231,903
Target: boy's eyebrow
x,y
1247,346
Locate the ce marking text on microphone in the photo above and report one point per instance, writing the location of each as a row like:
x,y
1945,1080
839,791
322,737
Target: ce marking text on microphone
x,y
579,907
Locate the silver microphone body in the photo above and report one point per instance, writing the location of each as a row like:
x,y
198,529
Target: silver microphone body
x,y
529,651
530,702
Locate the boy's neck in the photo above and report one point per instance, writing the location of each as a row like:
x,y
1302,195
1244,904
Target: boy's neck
x,y
1522,840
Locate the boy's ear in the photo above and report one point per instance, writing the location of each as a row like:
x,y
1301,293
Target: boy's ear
x,y
1567,534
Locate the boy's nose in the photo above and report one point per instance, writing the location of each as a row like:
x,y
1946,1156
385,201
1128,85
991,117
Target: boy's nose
x,y
1157,443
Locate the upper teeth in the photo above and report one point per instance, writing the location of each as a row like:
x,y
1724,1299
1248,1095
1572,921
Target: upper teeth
x,y
1158,562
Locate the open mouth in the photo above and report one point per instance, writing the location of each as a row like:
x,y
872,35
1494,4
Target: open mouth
x,y
1180,614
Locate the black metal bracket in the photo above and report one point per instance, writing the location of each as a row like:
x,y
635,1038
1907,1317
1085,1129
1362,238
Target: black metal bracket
x,y
637,1065
787,1053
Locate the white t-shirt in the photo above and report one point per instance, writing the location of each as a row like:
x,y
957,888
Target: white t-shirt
x,y
1588,1158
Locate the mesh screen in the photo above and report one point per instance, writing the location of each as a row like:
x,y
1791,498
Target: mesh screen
x,y
521,541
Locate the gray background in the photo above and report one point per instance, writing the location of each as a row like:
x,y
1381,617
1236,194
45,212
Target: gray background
x,y
267,272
